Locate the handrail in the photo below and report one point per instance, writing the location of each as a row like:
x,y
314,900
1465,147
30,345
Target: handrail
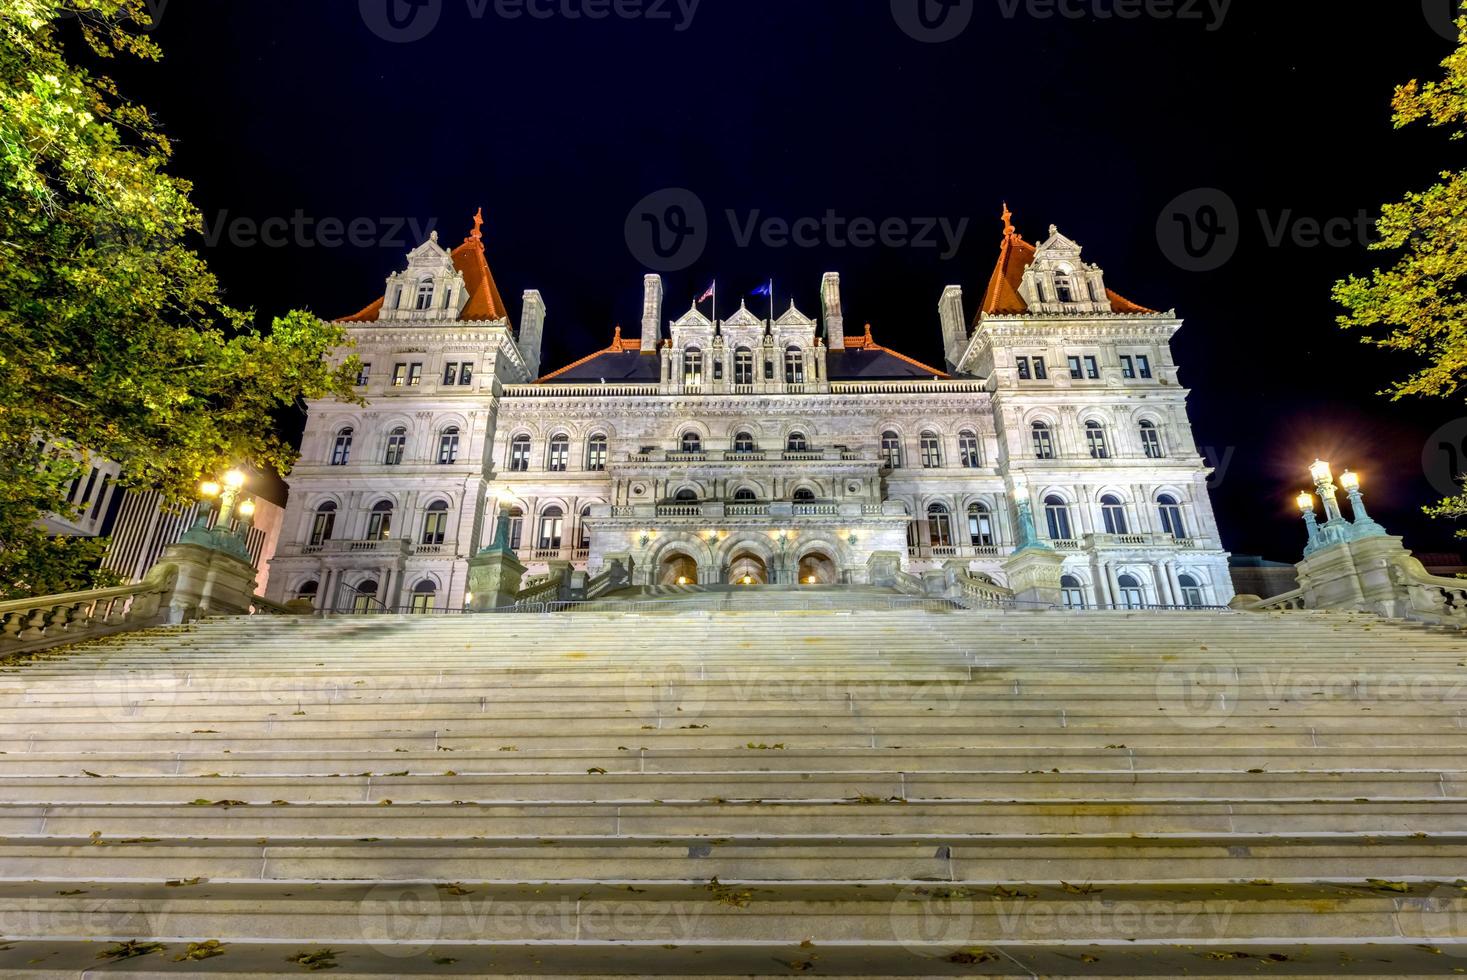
x,y
27,625
269,607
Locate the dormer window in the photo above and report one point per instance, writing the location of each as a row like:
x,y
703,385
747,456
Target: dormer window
x,y
693,366
794,366
1064,287
425,295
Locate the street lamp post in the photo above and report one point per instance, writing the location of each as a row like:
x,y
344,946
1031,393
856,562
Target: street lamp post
x,y
1364,525
1311,520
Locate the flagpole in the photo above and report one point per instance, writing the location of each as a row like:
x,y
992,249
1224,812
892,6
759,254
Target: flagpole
x,y
771,304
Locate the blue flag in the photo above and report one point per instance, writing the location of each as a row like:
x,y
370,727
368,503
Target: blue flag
x,y
765,290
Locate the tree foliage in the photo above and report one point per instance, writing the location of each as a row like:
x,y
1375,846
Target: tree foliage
x,y
115,340
1419,305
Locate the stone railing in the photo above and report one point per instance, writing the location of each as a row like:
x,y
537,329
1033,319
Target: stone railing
x,y
1279,603
549,590
1443,600
27,625
978,593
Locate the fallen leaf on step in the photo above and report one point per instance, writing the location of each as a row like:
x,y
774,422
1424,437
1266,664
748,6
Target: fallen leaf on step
x,y
969,957
1085,889
596,771
184,882
321,959
130,949
455,890
75,891
1388,886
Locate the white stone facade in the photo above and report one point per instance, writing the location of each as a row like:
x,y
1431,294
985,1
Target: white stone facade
x,y
746,450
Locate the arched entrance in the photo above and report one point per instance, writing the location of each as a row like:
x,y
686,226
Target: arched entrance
x,y
747,568
678,569
818,569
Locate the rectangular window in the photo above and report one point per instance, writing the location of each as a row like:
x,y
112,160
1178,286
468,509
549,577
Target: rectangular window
x,y
466,373
450,373
1075,371
717,370
1144,364
399,375
1041,373
364,375
1023,363
1128,367
1092,369
101,497
415,375
596,456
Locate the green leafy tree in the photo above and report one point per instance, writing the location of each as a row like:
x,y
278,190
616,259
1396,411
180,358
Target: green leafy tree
x,y
115,340
1419,305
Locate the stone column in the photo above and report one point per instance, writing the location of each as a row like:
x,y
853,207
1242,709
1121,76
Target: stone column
x,y
210,583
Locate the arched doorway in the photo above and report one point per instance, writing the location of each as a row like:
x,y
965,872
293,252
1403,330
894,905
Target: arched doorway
x,y
678,569
747,568
818,569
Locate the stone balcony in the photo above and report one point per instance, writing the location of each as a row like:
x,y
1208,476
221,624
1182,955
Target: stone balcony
x,y
774,510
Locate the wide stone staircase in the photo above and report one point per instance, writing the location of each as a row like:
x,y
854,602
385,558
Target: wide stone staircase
x,y
740,793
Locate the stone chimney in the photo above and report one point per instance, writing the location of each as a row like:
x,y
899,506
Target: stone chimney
x,y
651,314
954,327
835,321
532,331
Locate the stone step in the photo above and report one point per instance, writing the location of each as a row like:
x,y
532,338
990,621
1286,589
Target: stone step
x,y
947,858
632,786
221,816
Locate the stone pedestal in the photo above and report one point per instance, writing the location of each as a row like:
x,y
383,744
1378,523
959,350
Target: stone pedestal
x,y
210,583
884,568
494,580
1034,576
1369,574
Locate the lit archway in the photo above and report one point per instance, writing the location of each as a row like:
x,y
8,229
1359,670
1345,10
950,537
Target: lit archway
x,y
678,569
747,568
818,569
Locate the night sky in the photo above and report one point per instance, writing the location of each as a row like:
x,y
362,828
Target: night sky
x,y
789,109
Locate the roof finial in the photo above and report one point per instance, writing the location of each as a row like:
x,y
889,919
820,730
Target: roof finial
x,y
478,233
1008,221
616,340
869,341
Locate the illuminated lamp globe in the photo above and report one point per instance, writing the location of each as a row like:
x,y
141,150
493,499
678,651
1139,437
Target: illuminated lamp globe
x,y
1320,471
1349,480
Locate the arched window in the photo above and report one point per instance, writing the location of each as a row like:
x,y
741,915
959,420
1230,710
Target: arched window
x,y
516,529
519,455
797,443
939,527
931,451
1043,440
425,597
1057,516
552,529
1113,512
308,590
744,443
1064,287
1072,593
804,495
968,450
323,524
745,495
743,366
396,447
1095,440
794,366
891,450
341,451
980,526
693,366
692,442
583,535
558,460
1132,596
435,523
364,597
448,446
687,495
1191,591
1171,516
425,294
596,453
1151,441
379,524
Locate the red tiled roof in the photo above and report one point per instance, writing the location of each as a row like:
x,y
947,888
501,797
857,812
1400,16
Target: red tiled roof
x,y
1014,256
867,343
618,346
484,302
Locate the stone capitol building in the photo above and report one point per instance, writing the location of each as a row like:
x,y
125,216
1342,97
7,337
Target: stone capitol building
x,y
748,452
